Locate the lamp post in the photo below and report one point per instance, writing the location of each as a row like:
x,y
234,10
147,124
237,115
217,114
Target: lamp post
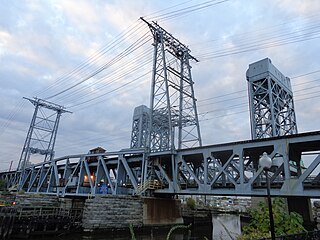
x,y
266,162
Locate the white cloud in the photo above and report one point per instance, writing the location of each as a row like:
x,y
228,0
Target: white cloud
x,y
40,40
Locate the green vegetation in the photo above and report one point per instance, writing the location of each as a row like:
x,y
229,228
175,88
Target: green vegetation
x,y
284,222
177,227
2,185
133,237
191,203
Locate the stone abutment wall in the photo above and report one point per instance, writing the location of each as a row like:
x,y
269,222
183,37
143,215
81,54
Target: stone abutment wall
x,y
112,212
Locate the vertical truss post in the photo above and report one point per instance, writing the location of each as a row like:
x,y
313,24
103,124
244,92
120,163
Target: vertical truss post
x,y
271,101
172,102
41,135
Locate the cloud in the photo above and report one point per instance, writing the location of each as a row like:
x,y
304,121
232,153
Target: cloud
x,y
42,40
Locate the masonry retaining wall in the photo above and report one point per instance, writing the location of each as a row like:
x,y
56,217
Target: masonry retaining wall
x,y
112,212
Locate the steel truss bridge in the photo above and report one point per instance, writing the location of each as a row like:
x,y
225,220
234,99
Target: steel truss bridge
x,y
223,169
160,162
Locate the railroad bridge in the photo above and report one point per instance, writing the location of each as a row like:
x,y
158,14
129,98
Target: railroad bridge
x,y
223,169
160,162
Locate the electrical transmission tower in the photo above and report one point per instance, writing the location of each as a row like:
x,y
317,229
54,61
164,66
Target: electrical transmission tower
x,y
173,104
42,133
271,101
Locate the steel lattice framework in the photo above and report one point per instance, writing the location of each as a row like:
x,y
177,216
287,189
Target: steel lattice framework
x,y
223,169
271,101
172,104
42,133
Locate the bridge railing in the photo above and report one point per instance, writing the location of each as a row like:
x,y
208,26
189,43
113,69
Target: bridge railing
x,y
149,185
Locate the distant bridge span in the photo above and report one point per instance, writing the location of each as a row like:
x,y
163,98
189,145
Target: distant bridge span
x,y
224,169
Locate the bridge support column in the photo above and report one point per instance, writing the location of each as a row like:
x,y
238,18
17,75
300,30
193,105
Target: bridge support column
x,y
161,211
301,205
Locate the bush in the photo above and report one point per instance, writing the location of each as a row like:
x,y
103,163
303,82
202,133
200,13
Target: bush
x,y
284,222
191,203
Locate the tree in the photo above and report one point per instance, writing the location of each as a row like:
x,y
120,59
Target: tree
x,y
284,222
191,203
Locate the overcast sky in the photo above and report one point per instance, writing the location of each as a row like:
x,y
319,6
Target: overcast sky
x,y
43,41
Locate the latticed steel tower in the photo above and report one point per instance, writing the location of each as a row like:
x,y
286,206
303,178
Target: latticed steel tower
x,y
173,104
42,133
271,101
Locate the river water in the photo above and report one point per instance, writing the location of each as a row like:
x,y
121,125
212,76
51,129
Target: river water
x,y
225,227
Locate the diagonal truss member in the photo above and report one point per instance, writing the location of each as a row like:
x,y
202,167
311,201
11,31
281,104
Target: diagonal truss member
x,y
173,103
42,132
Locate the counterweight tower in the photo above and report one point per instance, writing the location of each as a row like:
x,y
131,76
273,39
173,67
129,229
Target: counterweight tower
x,y
271,101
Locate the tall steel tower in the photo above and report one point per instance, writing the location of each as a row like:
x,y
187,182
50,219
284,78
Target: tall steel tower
x,y
172,103
42,133
271,101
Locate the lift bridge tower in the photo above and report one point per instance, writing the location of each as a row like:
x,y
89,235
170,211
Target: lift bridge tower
x,y
172,103
271,101
41,136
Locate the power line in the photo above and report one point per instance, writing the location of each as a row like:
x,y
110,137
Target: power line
x,y
187,10
119,39
127,70
123,53
245,90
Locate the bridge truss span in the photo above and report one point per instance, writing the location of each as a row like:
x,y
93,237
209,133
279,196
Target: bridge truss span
x,y
224,169
233,168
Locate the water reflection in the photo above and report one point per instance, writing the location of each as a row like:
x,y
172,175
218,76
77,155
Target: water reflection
x,y
225,226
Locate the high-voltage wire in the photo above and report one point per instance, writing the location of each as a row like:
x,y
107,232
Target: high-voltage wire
x,y
151,15
18,108
263,41
111,91
240,97
245,90
303,38
122,37
187,10
77,71
272,30
112,77
233,113
217,116
113,61
247,104
170,14
121,87
124,53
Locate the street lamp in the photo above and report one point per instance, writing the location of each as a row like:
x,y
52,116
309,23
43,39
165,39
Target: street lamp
x,y
266,162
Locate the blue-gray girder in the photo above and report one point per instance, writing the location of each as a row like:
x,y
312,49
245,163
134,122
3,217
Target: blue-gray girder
x,y
222,169
232,168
